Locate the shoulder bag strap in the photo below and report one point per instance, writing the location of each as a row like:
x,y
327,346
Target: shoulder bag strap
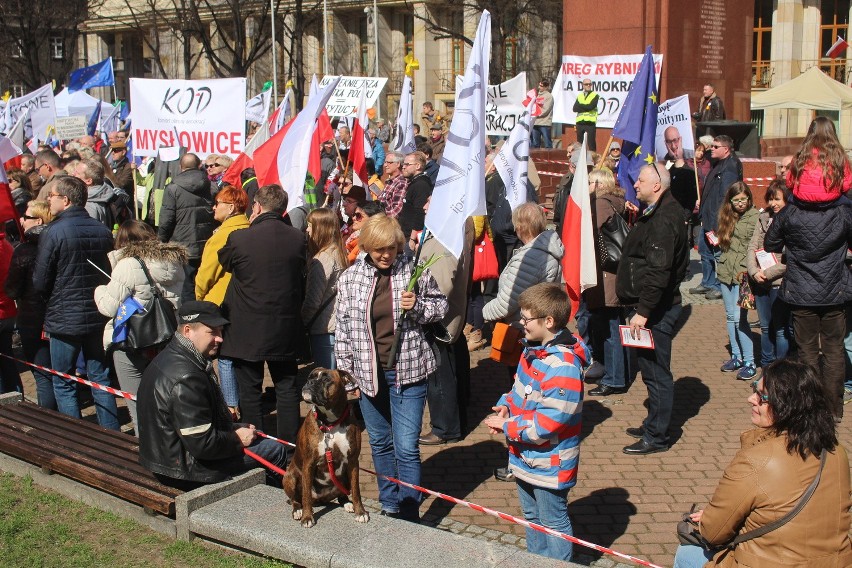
x,y
789,516
320,310
154,290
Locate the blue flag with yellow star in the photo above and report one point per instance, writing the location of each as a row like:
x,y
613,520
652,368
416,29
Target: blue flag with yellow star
x,y
637,125
97,75
126,309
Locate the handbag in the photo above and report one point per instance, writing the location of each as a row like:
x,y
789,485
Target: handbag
x,y
687,530
506,344
611,237
485,260
154,326
746,297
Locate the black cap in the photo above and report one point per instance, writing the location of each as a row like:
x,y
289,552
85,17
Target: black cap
x,y
201,312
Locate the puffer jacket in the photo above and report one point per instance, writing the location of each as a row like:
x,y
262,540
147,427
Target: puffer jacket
x,y
324,271
535,262
763,483
212,279
64,276
814,238
19,283
811,185
165,263
185,429
354,345
186,215
733,261
774,274
545,412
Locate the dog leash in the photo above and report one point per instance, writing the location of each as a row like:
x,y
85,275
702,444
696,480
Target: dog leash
x,y
329,460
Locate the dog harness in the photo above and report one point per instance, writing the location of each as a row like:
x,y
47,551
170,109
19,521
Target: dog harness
x,y
329,461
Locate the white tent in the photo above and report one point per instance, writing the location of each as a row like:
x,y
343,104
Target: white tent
x,y
812,90
77,103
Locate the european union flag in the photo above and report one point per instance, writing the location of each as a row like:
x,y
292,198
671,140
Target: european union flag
x,y
126,309
637,126
93,122
97,75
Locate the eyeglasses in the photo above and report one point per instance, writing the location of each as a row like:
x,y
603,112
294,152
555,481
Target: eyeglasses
x,y
119,149
409,163
26,217
40,166
525,321
358,216
717,146
49,195
657,172
762,396
215,203
738,201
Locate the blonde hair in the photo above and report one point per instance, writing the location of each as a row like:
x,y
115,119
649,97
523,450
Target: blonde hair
x,y
41,209
606,183
380,231
528,218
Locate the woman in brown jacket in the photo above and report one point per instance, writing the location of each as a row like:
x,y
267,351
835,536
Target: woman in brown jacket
x,y
766,479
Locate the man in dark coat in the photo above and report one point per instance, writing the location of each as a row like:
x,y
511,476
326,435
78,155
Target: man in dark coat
x,y
412,217
186,435
186,216
64,276
653,264
263,303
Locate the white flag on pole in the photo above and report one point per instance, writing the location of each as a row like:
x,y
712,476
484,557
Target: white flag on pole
x,y
460,189
257,107
513,160
403,130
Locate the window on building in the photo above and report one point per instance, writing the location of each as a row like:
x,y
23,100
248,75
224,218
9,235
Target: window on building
x,y
57,47
16,89
761,70
364,40
457,44
834,16
408,34
510,68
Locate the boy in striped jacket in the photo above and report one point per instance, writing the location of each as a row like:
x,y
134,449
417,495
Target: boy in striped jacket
x,y
541,416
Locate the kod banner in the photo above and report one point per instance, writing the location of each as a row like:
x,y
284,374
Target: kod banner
x,y
611,77
674,140
504,105
42,110
204,116
344,100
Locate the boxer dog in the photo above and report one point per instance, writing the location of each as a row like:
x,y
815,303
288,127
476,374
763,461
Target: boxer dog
x,y
328,427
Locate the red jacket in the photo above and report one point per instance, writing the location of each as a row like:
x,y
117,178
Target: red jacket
x,y
811,186
7,305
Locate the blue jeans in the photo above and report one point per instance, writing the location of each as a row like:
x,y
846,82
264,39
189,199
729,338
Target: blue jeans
x,y
656,368
37,350
322,349
393,418
582,317
228,382
539,132
607,345
776,328
709,257
691,556
549,508
64,350
739,332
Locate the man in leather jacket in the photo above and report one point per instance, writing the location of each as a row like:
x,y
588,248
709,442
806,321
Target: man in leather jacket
x,y
186,435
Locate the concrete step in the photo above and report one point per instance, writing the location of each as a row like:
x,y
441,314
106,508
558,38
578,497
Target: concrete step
x,y
259,519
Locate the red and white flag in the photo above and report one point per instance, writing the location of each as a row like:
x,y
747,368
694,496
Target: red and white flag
x,y
12,143
7,204
357,149
579,267
283,159
839,48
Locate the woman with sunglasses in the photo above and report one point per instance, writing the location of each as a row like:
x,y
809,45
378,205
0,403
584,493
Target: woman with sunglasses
x,y
777,462
363,211
737,220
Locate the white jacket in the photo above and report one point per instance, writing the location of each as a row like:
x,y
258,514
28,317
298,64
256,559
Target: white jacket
x,y
165,262
536,262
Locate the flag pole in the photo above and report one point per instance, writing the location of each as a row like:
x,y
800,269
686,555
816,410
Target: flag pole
x,y
605,153
274,55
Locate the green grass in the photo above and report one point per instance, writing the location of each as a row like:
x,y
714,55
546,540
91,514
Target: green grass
x,y
41,528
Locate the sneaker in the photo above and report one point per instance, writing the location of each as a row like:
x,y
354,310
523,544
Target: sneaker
x,y
595,372
699,290
747,373
731,365
847,395
504,474
713,295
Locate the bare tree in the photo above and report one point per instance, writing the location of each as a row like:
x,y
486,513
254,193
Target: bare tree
x,y
37,39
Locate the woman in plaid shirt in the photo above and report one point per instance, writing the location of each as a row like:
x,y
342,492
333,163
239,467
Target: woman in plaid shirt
x,y
370,304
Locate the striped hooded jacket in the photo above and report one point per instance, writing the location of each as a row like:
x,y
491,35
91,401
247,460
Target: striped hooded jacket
x,y
545,413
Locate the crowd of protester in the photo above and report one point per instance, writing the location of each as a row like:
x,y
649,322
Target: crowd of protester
x,y
256,286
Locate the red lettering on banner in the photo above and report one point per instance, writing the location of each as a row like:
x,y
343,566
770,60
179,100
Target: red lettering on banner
x,y
222,147
235,143
200,141
183,139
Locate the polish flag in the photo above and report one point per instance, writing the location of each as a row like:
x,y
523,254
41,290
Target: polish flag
x,y
7,204
578,264
837,49
246,157
357,150
322,132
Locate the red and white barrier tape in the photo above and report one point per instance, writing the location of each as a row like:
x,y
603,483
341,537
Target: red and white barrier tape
x,y
451,499
773,178
560,162
555,174
110,390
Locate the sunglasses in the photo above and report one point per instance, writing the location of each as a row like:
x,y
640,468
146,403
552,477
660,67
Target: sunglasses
x,y
761,395
214,165
222,203
717,146
358,216
29,217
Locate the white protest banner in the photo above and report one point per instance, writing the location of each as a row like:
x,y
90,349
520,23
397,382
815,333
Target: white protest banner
x,y
403,129
344,100
42,110
505,104
205,116
513,160
611,77
674,129
71,127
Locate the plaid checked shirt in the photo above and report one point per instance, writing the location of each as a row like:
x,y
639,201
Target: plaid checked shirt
x,y
354,344
393,195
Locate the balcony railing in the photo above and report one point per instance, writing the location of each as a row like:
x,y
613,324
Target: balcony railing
x,y
761,74
839,69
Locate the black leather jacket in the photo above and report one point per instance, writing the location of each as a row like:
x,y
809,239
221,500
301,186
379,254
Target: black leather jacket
x,y
185,429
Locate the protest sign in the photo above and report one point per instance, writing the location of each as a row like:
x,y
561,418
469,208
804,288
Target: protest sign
x,y
611,77
344,100
42,110
504,105
674,129
71,127
205,116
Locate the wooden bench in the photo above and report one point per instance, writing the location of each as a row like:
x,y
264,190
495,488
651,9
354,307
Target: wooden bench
x,y
104,459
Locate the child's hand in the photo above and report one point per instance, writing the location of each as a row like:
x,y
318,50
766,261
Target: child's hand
x,y
502,411
495,424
